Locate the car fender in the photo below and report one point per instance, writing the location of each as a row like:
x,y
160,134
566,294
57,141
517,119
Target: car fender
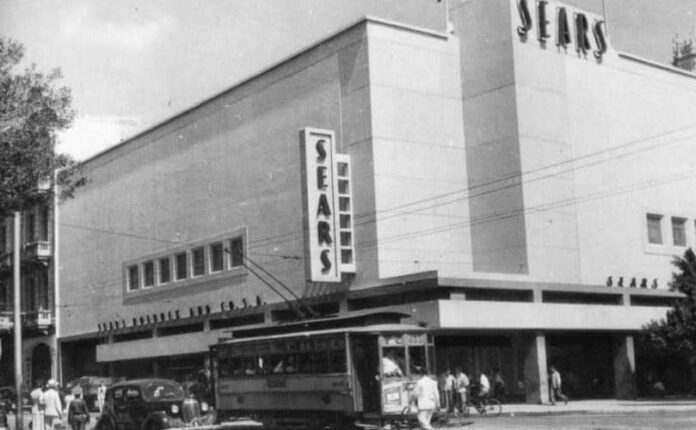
x,y
105,419
157,420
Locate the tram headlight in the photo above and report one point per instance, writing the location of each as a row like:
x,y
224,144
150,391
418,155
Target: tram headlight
x,y
175,409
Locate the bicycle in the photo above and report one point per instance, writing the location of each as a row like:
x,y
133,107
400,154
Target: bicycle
x,y
485,406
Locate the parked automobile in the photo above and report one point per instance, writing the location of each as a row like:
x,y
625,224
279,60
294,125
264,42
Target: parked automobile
x,y
8,399
89,386
153,404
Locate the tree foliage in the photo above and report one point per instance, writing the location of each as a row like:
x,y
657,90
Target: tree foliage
x,y
677,332
32,109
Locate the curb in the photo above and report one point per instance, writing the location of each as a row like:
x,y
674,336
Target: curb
x,y
459,420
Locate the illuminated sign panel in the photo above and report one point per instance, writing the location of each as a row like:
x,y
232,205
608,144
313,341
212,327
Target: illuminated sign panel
x,y
565,27
320,205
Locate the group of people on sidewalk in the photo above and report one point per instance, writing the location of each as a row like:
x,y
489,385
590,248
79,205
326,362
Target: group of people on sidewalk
x,y
47,409
452,390
457,389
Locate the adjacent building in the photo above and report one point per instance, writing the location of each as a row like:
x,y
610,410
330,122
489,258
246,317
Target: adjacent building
x,y
507,179
37,274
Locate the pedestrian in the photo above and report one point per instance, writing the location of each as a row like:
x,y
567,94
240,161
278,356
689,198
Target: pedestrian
x,y
556,391
462,384
37,406
53,409
450,390
484,385
498,384
78,414
426,396
101,395
68,397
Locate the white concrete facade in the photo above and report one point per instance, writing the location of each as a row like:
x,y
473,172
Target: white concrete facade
x,y
497,182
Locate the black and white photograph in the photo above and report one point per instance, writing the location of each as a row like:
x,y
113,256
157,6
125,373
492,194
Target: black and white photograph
x,y
347,214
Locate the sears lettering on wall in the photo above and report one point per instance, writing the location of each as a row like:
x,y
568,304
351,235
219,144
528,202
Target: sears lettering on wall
x,y
320,204
565,29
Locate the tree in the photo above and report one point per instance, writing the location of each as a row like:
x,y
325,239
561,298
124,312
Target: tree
x,y
683,54
676,334
32,110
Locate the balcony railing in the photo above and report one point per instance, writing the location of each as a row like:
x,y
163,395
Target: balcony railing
x,y
40,319
6,321
40,249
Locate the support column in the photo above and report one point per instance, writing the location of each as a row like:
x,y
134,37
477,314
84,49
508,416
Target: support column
x,y
625,368
535,373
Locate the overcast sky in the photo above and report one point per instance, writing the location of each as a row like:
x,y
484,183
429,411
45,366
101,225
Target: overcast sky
x,y
133,63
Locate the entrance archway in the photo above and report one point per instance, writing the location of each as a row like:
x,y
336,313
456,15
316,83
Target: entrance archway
x,y
41,363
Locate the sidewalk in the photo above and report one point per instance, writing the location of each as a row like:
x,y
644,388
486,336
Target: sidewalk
x,y
611,406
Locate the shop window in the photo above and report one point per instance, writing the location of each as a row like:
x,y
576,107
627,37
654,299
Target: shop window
x,y
133,280
181,266
679,231
148,274
164,270
198,257
236,252
216,257
654,229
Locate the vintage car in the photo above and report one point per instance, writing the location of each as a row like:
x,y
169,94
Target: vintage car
x,y
88,386
153,404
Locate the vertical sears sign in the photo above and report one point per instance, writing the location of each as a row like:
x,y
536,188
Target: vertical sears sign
x,y
319,186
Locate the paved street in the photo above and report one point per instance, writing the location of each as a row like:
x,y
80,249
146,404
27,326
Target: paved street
x,y
595,421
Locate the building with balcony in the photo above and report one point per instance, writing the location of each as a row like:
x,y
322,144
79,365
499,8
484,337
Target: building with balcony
x,y
486,178
37,295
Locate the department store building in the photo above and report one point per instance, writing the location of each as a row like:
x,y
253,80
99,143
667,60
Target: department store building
x,y
510,181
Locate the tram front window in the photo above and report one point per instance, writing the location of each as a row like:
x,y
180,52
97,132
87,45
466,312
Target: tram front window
x,y
417,361
393,362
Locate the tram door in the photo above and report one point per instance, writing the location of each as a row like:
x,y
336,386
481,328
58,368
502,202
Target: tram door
x,y
365,354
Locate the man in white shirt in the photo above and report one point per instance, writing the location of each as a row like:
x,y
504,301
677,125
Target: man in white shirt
x,y
426,396
53,409
485,385
462,387
389,365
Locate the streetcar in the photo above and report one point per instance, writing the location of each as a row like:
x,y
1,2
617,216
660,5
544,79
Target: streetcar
x,y
324,379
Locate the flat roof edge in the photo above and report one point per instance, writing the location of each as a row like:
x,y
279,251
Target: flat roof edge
x,y
364,20
655,64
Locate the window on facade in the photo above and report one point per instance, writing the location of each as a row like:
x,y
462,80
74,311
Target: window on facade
x,y
198,256
679,231
3,236
149,274
654,228
236,252
133,280
216,257
181,266
164,271
30,228
44,223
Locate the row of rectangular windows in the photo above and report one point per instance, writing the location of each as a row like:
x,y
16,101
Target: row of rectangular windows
x,y
196,262
655,233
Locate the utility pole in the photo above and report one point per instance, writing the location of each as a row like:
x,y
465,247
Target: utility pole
x,y
16,260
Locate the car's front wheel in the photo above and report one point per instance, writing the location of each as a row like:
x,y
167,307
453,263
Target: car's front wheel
x,y
104,424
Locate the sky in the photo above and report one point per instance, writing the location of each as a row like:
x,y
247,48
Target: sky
x,y
133,63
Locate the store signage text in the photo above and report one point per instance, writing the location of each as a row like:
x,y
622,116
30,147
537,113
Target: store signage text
x,y
582,31
319,183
